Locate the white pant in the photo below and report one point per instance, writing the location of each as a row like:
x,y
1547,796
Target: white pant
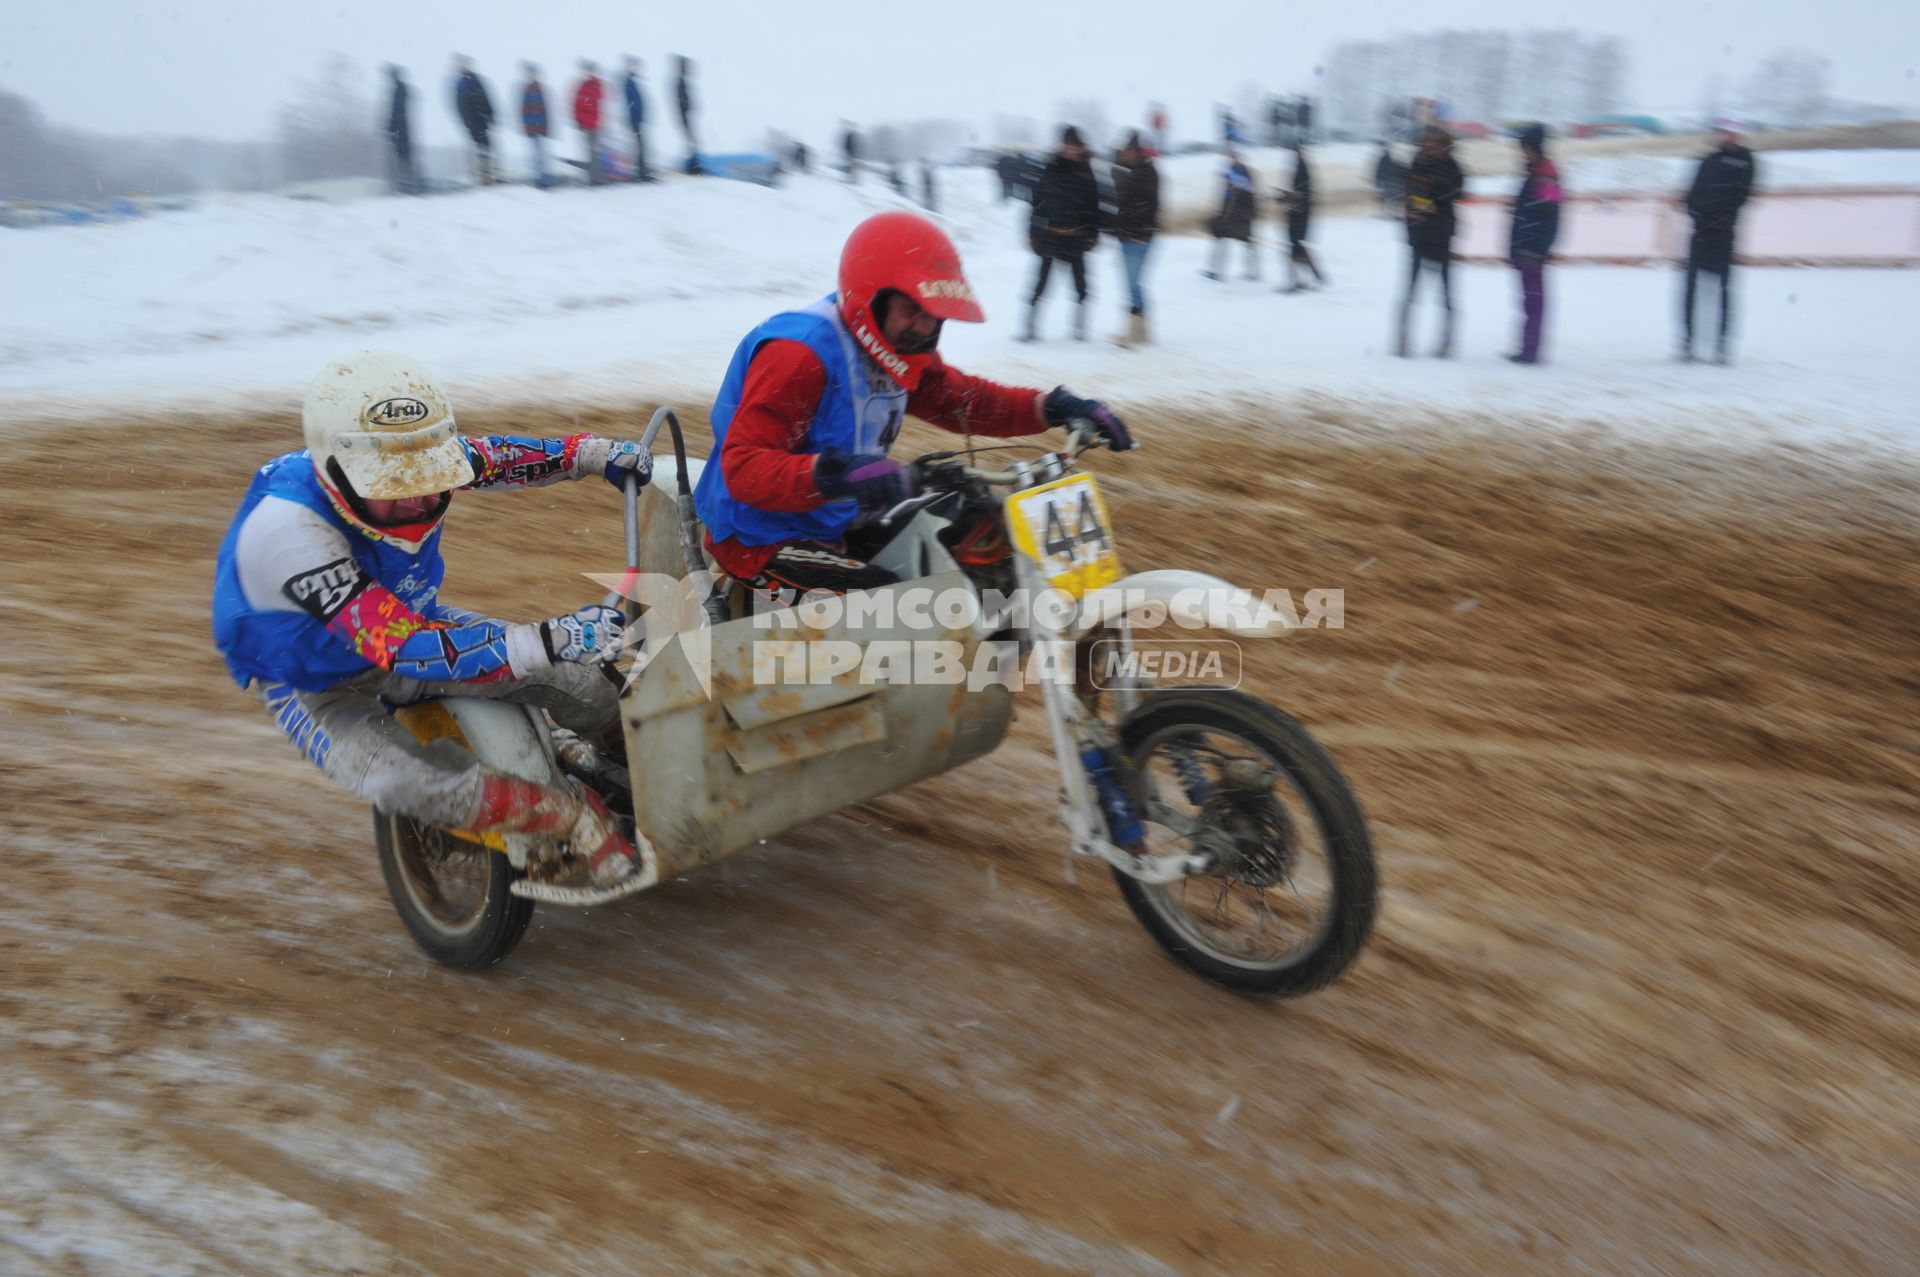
x,y
348,731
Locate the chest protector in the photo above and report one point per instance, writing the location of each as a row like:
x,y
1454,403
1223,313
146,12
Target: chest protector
x,y
293,647
859,412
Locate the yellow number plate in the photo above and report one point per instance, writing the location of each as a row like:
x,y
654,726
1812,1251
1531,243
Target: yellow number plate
x,y
1063,527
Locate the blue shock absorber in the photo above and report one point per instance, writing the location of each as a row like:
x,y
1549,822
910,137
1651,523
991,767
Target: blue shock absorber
x,y
1123,825
1193,777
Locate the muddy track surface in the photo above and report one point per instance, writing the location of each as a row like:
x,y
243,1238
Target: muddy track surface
x,y
1638,733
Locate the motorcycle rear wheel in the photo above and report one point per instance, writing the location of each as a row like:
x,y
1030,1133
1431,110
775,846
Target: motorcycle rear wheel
x,y
1228,775
453,895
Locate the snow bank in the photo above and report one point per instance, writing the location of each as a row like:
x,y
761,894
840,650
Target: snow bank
x,y
639,294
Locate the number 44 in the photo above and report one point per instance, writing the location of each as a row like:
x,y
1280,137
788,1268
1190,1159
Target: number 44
x,y
1057,540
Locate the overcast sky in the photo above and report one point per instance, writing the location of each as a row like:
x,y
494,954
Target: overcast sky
x,y
222,68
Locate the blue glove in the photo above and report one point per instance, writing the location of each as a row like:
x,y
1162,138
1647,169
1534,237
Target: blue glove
x,y
594,633
1063,408
616,459
877,483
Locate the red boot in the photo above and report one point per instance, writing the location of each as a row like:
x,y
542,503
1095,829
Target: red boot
x,y
509,805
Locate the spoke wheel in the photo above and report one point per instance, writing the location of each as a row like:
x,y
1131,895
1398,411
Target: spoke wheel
x,y
452,894
1287,897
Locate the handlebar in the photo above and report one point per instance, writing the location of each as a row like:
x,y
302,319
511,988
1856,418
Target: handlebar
x,y
1080,438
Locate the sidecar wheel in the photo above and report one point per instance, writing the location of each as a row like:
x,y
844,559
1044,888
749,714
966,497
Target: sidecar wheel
x,y
1290,896
452,894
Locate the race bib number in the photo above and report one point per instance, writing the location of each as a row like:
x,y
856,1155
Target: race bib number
x,y
1063,527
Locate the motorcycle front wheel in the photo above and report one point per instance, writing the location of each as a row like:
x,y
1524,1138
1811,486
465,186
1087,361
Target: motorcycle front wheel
x,y
452,894
1289,893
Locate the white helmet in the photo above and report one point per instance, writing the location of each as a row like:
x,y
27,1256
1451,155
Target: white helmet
x,y
376,419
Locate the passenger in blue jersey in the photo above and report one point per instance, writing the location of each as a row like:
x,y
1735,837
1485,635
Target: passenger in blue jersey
x,y
326,604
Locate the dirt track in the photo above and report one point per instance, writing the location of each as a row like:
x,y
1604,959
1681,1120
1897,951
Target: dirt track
x,y
1637,734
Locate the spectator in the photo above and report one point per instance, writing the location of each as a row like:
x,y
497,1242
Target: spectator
x,y
1297,200
1434,182
586,116
1235,218
1005,165
1536,221
636,119
1720,188
929,194
850,149
1064,226
800,157
533,122
406,179
475,108
1389,179
1157,121
683,95
1136,219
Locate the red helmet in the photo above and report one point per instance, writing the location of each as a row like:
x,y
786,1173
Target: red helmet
x,y
908,254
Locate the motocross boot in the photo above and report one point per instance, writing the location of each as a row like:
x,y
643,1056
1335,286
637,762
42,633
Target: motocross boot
x,y
1080,322
509,805
601,764
1032,330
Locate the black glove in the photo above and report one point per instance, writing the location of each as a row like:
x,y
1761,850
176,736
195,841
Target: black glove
x,y
877,483
1063,408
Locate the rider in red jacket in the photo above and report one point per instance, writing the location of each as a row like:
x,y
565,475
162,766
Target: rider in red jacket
x,y
815,397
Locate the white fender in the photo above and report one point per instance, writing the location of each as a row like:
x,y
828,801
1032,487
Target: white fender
x,y
1191,598
506,737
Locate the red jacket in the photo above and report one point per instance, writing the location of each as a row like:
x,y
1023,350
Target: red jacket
x,y
784,383
586,104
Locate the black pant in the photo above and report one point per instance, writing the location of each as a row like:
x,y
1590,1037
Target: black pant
x,y
640,171
1441,260
1076,262
801,567
482,158
1715,258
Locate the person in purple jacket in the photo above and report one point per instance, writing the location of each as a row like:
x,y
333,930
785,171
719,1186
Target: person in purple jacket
x,y
1536,222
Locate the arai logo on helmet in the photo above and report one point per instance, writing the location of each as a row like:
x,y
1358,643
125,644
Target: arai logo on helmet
x,y
878,349
398,411
950,289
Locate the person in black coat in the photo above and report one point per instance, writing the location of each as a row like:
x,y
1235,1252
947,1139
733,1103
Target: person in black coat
x,y
1434,183
683,97
850,150
1389,179
636,118
1720,189
1297,200
1065,225
1136,219
475,107
1239,206
406,180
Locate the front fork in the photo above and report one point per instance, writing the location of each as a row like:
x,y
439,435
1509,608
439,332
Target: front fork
x,y
1096,789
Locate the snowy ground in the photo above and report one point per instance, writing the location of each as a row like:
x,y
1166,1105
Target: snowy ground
x,y
586,296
